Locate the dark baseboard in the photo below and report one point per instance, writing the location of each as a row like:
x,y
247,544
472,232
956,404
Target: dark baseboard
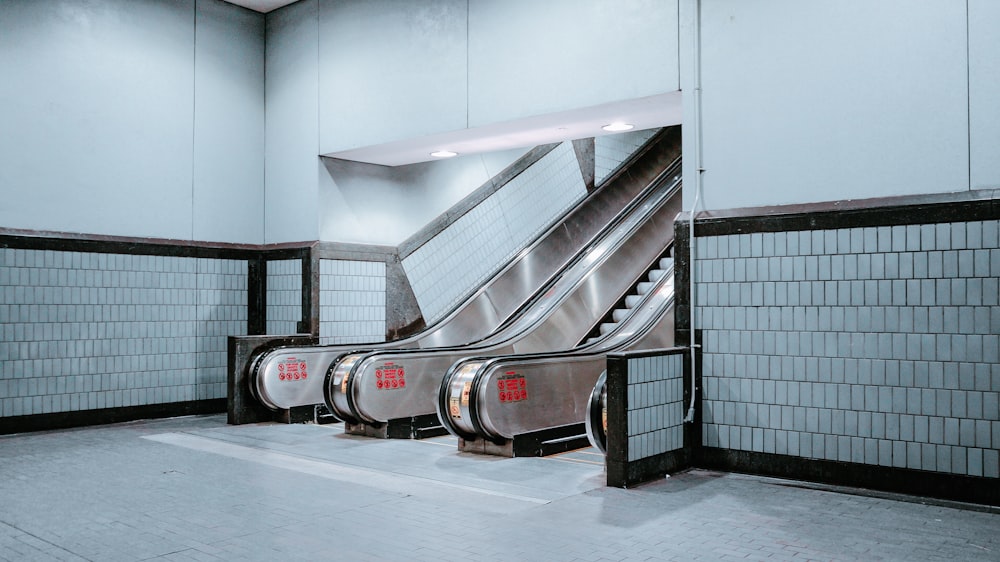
x,y
632,473
63,420
973,489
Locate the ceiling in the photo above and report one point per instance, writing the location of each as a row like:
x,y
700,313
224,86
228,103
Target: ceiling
x,y
262,6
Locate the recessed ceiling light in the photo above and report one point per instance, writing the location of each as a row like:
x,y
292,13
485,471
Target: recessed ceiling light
x,y
443,154
617,127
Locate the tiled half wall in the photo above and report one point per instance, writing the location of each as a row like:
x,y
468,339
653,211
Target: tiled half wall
x,y
284,296
646,403
876,344
352,297
90,330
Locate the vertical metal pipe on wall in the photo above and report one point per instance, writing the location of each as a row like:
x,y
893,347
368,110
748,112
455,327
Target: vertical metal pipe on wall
x,y
700,170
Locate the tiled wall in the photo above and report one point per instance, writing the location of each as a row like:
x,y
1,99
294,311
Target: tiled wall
x,y
655,405
874,345
351,301
284,296
611,150
85,331
465,254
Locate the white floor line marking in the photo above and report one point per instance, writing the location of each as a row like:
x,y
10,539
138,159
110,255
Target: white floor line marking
x,y
451,444
388,481
578,461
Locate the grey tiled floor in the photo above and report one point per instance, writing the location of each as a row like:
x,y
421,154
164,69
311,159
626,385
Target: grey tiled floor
x,y
195,489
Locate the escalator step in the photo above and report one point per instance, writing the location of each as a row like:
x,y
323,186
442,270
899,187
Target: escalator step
x,y
656,274
620,314
666,263
607,327
632,300
644,287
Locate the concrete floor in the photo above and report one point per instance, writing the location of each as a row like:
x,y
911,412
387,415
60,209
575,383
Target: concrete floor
x,y
194,488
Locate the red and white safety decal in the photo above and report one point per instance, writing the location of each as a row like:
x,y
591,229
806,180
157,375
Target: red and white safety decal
x,y
292,369
390,377
512,387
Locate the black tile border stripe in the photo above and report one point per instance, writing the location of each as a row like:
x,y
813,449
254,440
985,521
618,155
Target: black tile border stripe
x,y
78,418
964,206
72,242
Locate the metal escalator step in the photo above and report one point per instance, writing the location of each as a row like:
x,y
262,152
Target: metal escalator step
x,y
607,327
620,314
666,263
632,300
644,287
656,274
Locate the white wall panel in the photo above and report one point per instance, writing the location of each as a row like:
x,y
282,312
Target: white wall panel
x,y
96,103
390,70
984,85
228,124
530,58
291,175
828,100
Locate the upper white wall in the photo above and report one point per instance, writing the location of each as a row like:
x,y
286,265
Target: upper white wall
x,y
343,74
392,70
98,103
828,100
96,106
293,166
529,58
984,85
228,124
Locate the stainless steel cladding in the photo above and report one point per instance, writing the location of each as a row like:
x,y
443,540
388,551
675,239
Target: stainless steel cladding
x,y
597,414
500,397
500,299
286,377
558,320
336,377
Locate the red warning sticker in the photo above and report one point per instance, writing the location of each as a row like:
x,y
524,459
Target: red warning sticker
x,y
292,369
512,387
390,377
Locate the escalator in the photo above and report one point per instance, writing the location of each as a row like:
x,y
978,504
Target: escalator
x,y
500,398
376,387
497,303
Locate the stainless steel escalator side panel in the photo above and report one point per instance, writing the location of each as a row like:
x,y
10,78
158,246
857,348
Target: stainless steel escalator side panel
x,y
454,406
499,299
518,398
335,386
558,388
560,319
291,376
554,389
597,414
468,324
417,377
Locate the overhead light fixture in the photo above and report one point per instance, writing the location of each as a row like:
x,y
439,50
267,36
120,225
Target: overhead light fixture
x,y
443,154
618,127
